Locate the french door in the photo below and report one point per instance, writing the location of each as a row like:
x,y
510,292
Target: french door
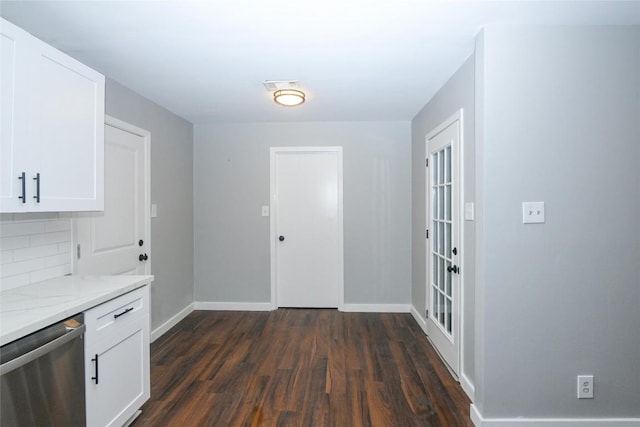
x,y
443,245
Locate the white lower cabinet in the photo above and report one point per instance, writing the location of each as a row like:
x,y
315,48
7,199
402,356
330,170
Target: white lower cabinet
x,y
117,366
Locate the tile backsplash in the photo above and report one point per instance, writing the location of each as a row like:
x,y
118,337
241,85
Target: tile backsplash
x,y
34,247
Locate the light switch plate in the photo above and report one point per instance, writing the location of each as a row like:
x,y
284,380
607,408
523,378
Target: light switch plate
x,y
154,210
532,212
469,211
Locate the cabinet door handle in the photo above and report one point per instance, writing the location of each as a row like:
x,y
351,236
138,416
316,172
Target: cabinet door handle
x,y
115,316
24,190
96,377
37,180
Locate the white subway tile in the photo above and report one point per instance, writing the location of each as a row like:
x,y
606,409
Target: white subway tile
x,y
35,247
19,242
22,267
35,216
14,281
59,225
35,252
50,273
21,228
6,257
49,238
56,260
64,248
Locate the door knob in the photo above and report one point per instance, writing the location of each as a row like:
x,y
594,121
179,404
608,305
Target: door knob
x,y
454,250
143,257
452,269
281,238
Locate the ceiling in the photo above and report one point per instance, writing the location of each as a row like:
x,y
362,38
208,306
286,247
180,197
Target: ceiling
x,y
357,60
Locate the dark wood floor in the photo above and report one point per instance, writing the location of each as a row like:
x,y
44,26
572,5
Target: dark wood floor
x,y
300,367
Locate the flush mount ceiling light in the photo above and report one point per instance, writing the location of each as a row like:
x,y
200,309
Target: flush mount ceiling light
x,y
289,97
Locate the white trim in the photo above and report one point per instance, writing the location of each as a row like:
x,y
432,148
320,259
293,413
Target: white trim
x,y
467,386
377,308
479,421
173,321
233,306
465,382
272,231
422,322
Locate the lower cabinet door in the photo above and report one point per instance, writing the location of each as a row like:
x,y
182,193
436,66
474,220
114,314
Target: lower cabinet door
x,y
117,377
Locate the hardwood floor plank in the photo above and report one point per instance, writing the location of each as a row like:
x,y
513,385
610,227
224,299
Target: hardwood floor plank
x,y
300,367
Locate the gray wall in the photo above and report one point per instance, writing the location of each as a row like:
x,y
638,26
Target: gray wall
x,y
171,190
457,93
231,183
560,112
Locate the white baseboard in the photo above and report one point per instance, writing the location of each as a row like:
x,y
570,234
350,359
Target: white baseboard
x,y
467,386
465,383
160,330
422,322
267,306
233,306
480,421
377,308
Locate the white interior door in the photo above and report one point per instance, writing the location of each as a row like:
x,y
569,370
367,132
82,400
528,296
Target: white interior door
x,y
306,227
443,245
116,241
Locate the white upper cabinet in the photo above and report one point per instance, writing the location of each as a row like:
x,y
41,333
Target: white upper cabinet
x,y
52,128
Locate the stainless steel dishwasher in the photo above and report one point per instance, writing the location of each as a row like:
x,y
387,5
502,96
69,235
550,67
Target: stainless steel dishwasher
x,y
42,377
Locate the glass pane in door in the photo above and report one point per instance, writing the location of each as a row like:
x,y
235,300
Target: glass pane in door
x,y
442,241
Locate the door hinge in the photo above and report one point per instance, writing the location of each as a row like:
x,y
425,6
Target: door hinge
x,y
427,314
78,250
426,163
427,233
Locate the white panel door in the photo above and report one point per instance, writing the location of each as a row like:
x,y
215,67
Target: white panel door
x,y
443,247
307,227
116,241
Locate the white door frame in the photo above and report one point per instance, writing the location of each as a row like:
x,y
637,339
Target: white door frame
x,y
146,136
457,116
272,197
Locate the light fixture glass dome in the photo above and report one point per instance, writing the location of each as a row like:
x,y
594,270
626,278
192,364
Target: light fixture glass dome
x,y
288,97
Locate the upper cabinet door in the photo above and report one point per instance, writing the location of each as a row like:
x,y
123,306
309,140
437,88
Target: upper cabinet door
x,y
14,102
56,123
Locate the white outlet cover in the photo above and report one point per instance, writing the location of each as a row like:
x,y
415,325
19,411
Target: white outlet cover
x,y
532,212
469,211
585,386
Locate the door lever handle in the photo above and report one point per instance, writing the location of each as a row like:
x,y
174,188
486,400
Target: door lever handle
x,y
143,257
453,269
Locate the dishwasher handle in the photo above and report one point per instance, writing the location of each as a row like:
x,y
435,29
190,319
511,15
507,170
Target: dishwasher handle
x,y
16,363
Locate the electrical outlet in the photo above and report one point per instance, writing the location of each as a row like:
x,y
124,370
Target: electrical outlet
x,y
585,386
532,212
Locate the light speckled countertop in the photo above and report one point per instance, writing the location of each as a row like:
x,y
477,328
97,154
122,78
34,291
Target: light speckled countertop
x,y
29,308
